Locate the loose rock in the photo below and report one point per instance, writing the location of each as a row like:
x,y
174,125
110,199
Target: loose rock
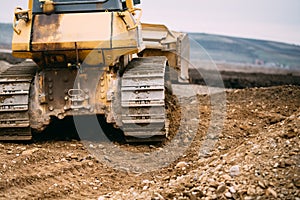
x,y
234,171
221,189
29,152
181,165
272,192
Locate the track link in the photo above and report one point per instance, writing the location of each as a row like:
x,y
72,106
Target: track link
x,y
14,97
143,100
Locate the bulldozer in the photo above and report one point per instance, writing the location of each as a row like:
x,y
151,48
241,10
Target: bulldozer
x,y
90,57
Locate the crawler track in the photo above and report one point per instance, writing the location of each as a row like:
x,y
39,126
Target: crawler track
x,y
143,100
14,97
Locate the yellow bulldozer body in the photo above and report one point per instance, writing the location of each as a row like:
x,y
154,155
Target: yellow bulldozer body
x,y
92,57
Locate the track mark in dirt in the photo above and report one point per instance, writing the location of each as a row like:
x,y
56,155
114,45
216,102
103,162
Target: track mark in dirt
x,y
259,142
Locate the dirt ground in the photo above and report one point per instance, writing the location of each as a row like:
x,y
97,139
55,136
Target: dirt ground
x,y
256,156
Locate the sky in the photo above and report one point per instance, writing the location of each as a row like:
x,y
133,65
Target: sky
x,y
277,20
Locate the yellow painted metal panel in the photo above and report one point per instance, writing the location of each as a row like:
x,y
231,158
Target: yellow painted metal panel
x,y
30,4
24,55
121,37
94,57
111,56
21,41
94,44
61,30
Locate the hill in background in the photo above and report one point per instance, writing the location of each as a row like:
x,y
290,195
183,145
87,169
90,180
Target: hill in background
x,y
6,32
223,49
247,51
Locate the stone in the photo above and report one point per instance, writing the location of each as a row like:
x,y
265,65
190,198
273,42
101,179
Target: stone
x,y
281,164
145,187
214,184
289,163
259,191
221,189
189,185
227,177
182,198
276,165
272,192
289,135
145,182
181,165
251,191
228,195
197,192
234,171
9,152
74,157
209,193
29,152
261,184
232,189
189,195
158,196
296,182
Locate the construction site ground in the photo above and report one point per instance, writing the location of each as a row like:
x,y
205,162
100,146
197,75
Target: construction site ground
x,y
255,156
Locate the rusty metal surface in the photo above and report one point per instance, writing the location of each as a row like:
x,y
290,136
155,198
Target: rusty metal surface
x,y
61,31
14,97
62,92
100,38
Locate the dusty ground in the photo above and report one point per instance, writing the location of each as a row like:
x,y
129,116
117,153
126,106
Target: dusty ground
x,y
256,156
